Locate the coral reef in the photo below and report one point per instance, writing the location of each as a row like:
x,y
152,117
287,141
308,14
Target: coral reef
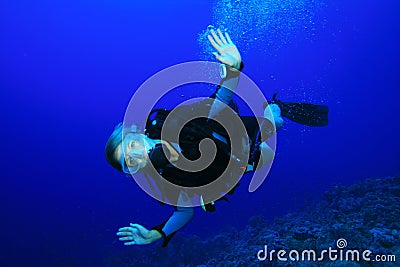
x,y
364,216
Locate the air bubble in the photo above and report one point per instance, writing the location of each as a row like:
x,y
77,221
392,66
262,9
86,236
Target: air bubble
x,y
256,24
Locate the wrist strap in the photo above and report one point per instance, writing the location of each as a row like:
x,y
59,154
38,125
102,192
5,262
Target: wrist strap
x,y
166,238
232,72
228,71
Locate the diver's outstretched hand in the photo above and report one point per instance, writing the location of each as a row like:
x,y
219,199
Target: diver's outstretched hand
x,y
136,234
227,51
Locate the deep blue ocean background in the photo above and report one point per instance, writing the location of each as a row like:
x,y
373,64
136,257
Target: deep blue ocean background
x,y
69,68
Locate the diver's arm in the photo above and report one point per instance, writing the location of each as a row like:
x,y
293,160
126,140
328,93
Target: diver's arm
x,y
179,219
137,234
182,215
228,54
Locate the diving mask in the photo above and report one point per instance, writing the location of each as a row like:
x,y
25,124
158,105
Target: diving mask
x,y
134,153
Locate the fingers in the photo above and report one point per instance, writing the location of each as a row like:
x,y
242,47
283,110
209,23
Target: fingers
x,y
221,36
124,233
138,227
228,38
213,43
129,234
217,56
219,41
125,229
216,38
126,238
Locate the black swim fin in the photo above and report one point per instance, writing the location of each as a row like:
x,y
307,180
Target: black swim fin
x,y
303,113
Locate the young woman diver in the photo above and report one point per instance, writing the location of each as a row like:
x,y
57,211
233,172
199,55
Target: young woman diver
x,y
131,152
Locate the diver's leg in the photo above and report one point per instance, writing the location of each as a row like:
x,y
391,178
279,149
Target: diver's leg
x,y
267,155
272,113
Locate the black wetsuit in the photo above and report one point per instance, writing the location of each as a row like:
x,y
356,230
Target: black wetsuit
x,y
189,139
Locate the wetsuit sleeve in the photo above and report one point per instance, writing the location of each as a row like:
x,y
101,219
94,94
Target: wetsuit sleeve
x,y
224,94
180,217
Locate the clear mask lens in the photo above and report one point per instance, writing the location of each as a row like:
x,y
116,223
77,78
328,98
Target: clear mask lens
x,y
134,153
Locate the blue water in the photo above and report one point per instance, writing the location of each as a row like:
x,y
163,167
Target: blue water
x,y
69,69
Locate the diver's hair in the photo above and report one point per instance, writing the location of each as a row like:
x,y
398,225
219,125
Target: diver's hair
x,y
112,143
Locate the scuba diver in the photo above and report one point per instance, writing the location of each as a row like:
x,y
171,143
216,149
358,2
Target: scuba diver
x,y
131,151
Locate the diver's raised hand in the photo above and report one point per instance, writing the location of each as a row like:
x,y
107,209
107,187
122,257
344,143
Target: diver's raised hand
x,y
227,51
137,234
